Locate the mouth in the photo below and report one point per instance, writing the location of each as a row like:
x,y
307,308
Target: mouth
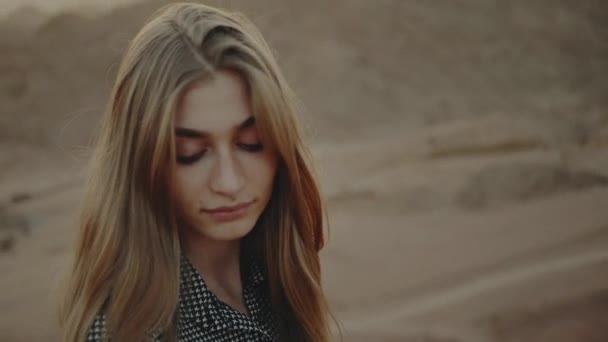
x,y
227,209
228,213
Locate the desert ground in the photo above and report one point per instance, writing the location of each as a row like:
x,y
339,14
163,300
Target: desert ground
x,y
462,148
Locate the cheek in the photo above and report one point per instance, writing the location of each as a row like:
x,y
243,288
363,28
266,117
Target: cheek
x,y
186,184
261,170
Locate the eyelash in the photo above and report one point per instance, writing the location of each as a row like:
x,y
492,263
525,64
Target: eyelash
x,y
187,160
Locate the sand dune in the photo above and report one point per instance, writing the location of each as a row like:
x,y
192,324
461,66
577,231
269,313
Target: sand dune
x,y
462,148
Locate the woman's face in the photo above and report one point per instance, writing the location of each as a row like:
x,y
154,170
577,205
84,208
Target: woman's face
x,y
223,176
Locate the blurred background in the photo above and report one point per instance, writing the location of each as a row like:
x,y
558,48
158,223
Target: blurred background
x,y
462,147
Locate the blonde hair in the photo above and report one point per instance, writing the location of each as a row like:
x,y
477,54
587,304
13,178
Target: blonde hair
x,y
127,253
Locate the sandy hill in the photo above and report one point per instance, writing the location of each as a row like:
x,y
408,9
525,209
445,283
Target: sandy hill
x,y
462,148
358,65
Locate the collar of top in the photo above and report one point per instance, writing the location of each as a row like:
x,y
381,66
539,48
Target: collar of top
x,y
198,305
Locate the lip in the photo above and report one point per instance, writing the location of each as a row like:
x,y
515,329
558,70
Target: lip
x,y
228,209
228,213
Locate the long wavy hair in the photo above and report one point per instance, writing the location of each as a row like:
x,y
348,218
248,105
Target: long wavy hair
x,y
126,262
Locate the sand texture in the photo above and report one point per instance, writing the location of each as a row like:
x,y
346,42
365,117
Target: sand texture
x,y
462,148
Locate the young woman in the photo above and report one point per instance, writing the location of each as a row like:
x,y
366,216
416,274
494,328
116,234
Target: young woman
x,y
202,218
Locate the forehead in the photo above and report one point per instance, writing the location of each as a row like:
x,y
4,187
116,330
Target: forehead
x,y
215,104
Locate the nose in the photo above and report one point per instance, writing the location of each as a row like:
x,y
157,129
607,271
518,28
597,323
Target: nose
x,y
227,177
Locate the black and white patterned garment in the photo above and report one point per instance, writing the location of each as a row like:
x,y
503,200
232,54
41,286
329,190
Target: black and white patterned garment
x,y
204,317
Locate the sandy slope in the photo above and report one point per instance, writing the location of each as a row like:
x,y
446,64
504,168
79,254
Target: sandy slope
x,y
86,6
466,187
448,271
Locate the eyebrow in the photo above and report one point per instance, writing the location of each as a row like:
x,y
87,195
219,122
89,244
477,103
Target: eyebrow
x,y
192,133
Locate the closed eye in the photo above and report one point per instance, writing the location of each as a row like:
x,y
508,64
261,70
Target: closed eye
x,y
187,160
191,159
251,147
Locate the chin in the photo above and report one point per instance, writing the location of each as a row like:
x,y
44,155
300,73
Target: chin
x,y
228,231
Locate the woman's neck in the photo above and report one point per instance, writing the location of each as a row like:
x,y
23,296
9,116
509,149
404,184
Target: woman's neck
x,y
214,259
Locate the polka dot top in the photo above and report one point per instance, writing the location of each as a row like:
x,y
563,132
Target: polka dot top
x,y
204,317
